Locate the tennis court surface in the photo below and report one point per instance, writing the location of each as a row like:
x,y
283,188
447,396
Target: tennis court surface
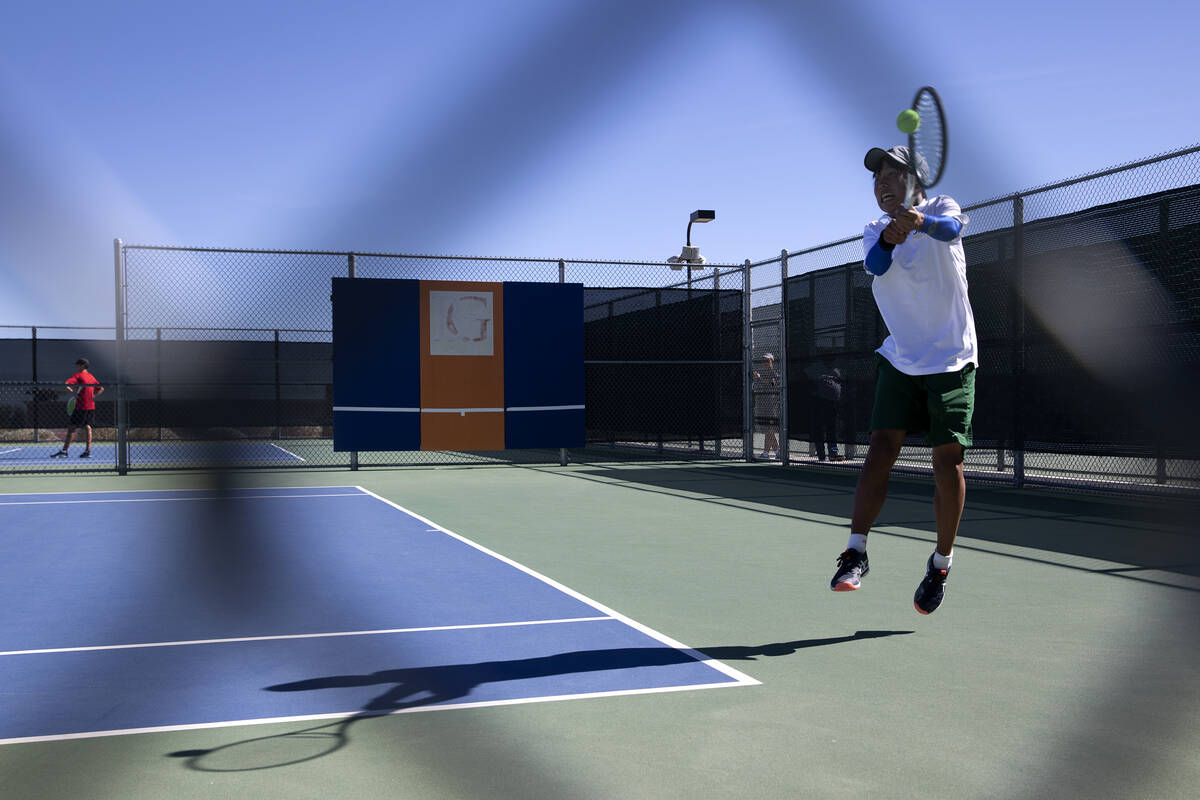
x,y
154,454
267,635
195,608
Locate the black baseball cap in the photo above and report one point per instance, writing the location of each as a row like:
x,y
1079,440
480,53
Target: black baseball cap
x,y
898,155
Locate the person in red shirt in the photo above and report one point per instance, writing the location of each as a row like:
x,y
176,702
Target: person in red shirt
x,y
86,389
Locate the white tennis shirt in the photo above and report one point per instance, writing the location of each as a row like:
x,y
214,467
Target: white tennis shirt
x,y
923,298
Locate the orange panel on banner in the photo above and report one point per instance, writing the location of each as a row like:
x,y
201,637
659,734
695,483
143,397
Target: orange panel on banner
x,y
462,365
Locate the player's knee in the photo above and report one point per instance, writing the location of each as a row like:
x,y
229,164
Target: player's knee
x,y
885,445
948,458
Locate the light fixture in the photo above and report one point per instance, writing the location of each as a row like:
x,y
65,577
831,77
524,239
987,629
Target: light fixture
x,y
691,255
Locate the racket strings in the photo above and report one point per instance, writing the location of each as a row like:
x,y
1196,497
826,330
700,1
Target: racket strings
x,y
929,140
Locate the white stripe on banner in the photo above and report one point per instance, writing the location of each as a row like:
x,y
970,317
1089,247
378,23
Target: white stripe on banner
x,y
458,410
462,410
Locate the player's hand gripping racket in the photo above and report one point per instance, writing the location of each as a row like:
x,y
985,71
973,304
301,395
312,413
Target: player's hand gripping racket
x,y
927,144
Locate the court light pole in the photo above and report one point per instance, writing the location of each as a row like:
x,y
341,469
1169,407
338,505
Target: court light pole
x,y
690,255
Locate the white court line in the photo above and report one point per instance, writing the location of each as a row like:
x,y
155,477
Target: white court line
x,y
5,452
58,737
741,678
289,452
160,491
298,636
176,499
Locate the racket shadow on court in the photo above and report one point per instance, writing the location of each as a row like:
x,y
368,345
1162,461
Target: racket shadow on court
x,y
412,688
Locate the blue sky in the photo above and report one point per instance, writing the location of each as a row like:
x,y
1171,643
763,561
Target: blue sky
x,y
547,128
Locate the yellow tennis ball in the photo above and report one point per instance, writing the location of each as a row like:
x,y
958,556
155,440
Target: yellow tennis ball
x,y
908,121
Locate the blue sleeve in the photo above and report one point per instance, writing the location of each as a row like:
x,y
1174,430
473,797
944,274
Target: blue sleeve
x,y
944,229
878,258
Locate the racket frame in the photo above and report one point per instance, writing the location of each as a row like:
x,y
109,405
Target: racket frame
x,y
912,179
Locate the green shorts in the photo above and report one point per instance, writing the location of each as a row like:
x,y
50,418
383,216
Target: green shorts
x,y
939,405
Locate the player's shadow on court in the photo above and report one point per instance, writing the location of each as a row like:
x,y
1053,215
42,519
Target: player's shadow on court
x,y
420,686
432,685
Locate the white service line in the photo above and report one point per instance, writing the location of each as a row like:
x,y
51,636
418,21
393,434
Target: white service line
x,y
177,499
300,636
198,726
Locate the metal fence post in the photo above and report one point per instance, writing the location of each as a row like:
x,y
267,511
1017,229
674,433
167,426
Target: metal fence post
x,y
352,270
122,433
36,403
784,450
717,355
1019,361
562,278
747,356
1160,444
278,396
158,405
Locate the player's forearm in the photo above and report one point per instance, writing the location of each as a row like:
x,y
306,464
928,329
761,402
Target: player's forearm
x,y
944,229
879,258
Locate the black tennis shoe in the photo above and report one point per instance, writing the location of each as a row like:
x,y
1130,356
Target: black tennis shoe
x,y
932,589
58,454
852,566
86,454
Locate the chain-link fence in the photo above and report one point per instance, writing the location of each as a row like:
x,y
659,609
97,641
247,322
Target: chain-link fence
x,y
1085,295
226,357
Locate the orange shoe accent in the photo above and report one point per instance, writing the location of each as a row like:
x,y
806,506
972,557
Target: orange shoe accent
x,y
846,587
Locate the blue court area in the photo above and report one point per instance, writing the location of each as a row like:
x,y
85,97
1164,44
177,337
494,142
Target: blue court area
x,y
141,610
242,453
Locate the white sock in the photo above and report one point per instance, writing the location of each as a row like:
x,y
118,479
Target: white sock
x,y
858,541
942,562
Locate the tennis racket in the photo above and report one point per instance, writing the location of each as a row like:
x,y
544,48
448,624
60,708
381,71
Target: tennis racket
x,y
927,144
71,405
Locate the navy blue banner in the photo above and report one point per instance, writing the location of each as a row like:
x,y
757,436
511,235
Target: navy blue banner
x,y
376,364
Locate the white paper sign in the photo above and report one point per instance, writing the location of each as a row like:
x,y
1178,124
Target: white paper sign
x,y
461,324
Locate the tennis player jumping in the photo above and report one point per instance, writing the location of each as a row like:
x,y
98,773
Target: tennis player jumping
x,y
926,367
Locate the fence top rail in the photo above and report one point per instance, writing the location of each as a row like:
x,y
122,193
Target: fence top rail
x,y
1049,187
64,327
422,256
815,249
1008,198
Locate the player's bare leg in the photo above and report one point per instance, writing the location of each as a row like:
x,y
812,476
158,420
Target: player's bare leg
x,y
949,494
67,441
869,496
871,491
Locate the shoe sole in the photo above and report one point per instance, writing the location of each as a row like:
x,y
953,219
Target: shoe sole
x,y
846,587
922,611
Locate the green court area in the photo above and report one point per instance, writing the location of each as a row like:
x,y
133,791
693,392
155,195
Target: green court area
x,y
1064,663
